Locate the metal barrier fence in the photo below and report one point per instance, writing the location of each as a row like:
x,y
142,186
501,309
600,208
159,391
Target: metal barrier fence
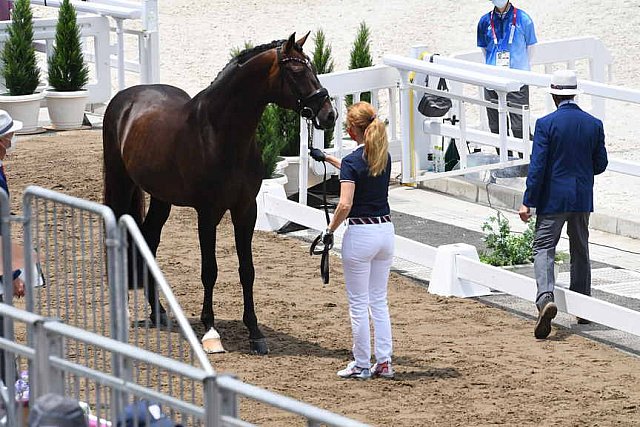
x,y
214,404
110,353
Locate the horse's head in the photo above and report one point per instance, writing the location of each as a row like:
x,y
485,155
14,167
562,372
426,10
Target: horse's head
x,y
301,90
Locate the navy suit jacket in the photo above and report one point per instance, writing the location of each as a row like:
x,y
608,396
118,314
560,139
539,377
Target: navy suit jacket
x,y
568,151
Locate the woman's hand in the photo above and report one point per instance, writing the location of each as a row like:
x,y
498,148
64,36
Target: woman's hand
x,y
317,154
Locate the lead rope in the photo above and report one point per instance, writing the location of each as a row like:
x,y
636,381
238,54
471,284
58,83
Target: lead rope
x,y
326,246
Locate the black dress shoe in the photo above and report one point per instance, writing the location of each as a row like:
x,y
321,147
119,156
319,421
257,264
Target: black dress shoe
x,y
548,311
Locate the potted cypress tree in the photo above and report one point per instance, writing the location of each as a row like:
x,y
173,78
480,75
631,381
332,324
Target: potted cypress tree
x,y
20,70
360,57
68,73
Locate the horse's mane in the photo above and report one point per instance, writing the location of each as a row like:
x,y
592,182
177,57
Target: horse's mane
x,y
244,56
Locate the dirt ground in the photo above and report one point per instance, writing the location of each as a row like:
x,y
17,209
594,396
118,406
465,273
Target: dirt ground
x,y
458,362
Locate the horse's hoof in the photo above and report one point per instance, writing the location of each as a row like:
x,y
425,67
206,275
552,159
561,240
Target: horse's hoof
x,y
161,318
259,346
211,342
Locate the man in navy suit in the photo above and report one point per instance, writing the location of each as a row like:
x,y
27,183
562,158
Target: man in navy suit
x,y
568,151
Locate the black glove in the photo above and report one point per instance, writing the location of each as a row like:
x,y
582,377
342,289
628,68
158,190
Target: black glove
x,y
327,238
318,155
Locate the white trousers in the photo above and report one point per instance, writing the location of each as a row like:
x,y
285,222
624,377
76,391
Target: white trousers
x,y
367,255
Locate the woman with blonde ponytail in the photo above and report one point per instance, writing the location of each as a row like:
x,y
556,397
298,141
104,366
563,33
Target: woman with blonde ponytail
x,y
367,247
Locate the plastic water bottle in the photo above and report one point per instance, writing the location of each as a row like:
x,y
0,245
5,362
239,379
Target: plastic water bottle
x,y
439,159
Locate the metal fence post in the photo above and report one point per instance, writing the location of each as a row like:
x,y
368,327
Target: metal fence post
x,y
46,379
228,402
212,413
7,285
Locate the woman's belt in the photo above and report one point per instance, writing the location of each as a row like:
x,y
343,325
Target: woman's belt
x,y
369,220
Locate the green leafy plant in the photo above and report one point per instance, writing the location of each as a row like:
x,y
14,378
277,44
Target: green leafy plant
x,y
504,246
238,50
323,63
20,69
269,139
509,248
67,69
361,57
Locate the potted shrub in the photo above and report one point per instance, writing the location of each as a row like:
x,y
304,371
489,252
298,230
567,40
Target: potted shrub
x,y
360,57
512,251
68,73
270,143
20,70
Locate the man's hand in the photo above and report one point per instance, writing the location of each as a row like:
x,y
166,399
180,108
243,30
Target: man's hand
x,y
317,154
525,213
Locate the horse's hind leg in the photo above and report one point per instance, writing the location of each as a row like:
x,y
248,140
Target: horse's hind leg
x,y
243,224
151,229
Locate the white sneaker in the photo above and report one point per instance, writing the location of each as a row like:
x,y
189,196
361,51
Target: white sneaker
x,y
383,369
353,371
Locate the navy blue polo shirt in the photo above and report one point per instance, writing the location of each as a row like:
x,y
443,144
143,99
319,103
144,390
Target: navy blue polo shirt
x,y
371,197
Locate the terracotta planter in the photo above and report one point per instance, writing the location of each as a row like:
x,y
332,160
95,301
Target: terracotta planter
x,y
66,109
25,108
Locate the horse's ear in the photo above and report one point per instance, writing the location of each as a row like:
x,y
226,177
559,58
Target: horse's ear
x,y
303,39
288,46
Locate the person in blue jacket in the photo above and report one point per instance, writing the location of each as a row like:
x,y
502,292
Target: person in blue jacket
x,y
568,151
506,36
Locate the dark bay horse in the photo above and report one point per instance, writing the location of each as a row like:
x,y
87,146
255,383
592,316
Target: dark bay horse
x,y
201,152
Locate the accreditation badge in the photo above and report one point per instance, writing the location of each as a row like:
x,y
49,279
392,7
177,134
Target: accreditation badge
x,y
503,58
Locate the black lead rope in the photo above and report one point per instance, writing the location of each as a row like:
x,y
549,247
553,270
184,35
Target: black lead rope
x,y
321,246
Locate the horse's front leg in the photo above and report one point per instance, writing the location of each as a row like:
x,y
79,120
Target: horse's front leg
x,y
243,224
207,222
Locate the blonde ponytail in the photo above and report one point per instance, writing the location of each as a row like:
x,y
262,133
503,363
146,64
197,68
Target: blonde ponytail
x,y
362,116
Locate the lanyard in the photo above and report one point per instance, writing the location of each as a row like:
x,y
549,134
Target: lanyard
x,y
513,26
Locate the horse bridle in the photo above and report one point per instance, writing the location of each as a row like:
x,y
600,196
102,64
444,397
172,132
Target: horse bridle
x,y
304,103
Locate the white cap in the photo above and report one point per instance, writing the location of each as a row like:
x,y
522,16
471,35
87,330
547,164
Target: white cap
x,y
7,124
564,82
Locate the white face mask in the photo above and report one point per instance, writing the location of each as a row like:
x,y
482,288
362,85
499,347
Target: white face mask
x,y
500,3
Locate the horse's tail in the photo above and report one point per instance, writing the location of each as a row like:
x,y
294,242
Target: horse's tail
x,y
120,193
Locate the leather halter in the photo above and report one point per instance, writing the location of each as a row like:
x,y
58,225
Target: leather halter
x,y
309,105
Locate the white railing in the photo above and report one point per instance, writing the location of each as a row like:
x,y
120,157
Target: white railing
x,y
120,11
467,270
95,28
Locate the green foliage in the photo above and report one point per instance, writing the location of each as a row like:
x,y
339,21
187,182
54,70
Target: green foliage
x,y
289,130
20,69
323,63
322,60
269,139
505,247
238,50
361,57
67,69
